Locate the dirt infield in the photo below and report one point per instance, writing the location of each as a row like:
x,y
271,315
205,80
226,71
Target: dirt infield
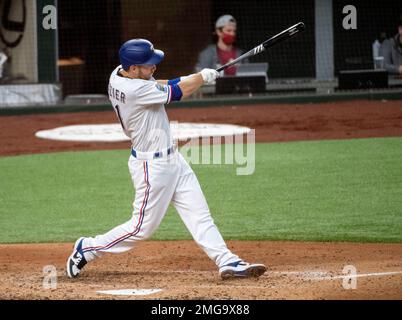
x,y
297,270
345,120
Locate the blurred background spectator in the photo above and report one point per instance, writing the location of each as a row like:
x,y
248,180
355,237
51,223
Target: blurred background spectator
x,y
4,56
392,52
224,49
378,46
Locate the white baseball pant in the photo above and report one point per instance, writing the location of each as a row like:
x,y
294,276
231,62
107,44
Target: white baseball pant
x,y
157,183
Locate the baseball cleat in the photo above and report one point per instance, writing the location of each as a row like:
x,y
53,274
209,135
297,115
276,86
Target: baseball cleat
x,y
241,269
77,260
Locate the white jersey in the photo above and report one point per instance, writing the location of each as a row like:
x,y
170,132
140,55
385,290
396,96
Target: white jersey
x,y
139,105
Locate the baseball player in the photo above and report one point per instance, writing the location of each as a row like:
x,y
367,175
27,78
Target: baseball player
x,y
159,172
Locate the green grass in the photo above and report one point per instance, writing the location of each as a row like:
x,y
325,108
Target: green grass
x,y
347,190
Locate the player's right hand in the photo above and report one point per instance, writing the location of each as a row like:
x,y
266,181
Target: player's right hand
x,y
209,75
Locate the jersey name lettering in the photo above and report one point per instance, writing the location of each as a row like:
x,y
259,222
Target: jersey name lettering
x,y
117,94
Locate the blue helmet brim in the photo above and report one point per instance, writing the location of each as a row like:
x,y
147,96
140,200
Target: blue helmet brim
x,y
157,57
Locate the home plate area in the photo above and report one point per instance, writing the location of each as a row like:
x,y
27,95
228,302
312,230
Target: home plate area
x,y
130,292
179,270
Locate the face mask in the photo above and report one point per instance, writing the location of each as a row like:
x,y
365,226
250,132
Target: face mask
x,y
228,38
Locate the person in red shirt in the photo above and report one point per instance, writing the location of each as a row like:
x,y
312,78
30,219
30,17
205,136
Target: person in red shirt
x,y
216,55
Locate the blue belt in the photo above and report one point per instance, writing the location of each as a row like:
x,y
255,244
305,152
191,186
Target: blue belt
x,y
155,155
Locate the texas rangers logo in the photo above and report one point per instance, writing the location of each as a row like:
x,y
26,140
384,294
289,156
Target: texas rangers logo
x,y
161,87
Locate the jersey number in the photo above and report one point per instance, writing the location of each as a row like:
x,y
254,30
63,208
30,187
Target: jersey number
x,y
119,116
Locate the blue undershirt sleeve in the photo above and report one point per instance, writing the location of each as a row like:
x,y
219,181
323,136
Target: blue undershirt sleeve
x,y
173,81
176,93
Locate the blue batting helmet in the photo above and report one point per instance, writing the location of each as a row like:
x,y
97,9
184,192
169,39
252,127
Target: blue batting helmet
x,y
137,52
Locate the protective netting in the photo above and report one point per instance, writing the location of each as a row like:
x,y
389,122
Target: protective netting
x,y
182,29
90,33
353,48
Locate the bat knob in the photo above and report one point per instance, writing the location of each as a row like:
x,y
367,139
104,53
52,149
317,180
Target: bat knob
x,y
301,26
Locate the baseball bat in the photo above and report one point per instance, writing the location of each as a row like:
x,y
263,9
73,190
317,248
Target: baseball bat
x,y
281,36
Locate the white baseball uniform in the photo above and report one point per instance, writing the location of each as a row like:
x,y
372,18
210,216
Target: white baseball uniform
x,y
159,172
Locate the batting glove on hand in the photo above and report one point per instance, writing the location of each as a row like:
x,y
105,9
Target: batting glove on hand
x,y
209,75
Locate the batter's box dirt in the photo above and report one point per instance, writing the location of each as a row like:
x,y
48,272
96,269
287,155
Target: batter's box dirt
x,y
301,271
